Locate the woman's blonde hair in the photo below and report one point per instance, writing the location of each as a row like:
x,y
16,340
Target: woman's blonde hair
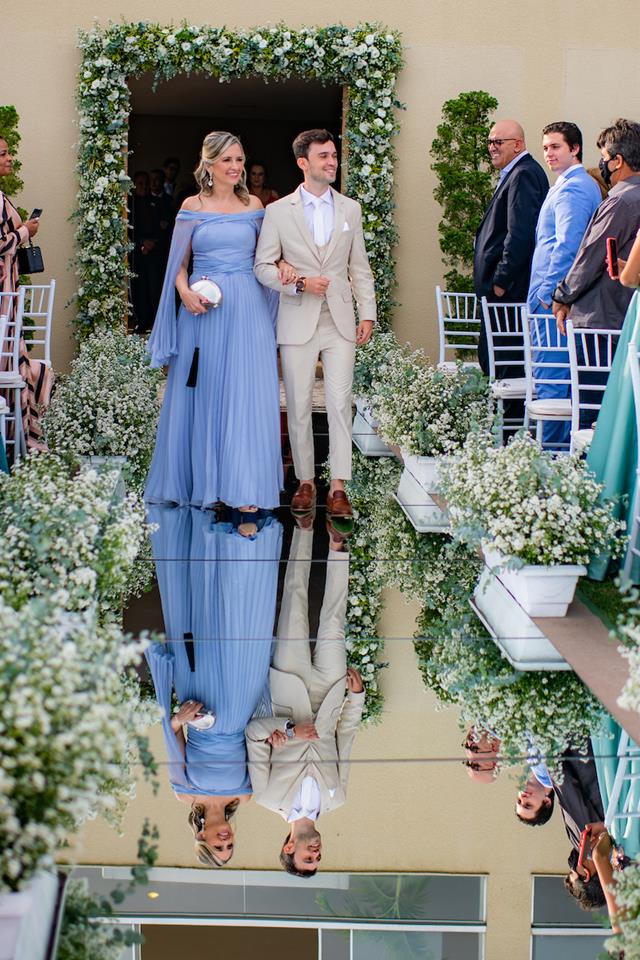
x,y
213,146
204,853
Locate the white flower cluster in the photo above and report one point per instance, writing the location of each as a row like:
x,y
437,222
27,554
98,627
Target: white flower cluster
x,y
108,405
423,409
364,58
68,536
529,504
70,721
627,893
629,632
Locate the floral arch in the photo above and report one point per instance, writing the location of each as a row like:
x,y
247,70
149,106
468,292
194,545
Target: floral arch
x,y
363,59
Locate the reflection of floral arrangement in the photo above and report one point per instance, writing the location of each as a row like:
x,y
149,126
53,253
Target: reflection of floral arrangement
x,y
627,894
364,58
555,710
529,504
68,536
109,404
429,412
70,723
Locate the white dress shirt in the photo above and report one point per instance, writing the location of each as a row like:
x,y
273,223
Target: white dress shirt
x,y
510,166
320,223
306,802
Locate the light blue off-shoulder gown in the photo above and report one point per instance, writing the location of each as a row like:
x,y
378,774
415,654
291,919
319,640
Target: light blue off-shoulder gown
x,y
219,588
220,439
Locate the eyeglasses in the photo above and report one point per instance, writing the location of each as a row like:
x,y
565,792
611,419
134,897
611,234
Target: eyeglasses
x,y
496,142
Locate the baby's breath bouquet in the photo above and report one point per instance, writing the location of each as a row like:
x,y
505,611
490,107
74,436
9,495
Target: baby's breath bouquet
x,y
109,404
430,412
527,503
373,362
68,535
71,721
627,893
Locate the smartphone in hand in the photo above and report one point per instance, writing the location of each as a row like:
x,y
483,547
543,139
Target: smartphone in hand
x,y
35,214
612,258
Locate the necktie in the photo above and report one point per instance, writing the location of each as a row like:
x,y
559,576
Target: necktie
x,y
318,224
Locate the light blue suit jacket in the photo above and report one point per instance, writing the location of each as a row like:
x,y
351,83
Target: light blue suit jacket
x,y
563,220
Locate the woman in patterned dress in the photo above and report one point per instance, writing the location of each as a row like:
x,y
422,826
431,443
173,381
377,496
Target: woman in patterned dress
x,y
35,373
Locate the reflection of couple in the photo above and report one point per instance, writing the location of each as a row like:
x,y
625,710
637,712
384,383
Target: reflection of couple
x,y
219,431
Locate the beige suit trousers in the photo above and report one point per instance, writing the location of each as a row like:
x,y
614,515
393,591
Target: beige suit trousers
x,y
298,372
292,651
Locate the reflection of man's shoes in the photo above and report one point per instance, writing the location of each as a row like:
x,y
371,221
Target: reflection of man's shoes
x,y
305,520
338,504
338,539
304,499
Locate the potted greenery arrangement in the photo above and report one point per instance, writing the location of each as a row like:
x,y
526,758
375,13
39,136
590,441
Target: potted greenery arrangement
x,y
373,361
107,408
538,518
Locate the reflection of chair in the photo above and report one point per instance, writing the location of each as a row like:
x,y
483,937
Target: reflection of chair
x,y
591,354
503,328
458,326
37,317
624,797
545,357
633,550
11,306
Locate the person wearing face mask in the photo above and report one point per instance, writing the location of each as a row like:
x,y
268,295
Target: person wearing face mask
x,y
587,294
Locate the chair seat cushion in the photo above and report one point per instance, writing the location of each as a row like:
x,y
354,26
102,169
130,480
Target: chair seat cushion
x,y
550,409
581,439
514,388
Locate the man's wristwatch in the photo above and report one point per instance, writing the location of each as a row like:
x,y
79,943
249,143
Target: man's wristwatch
x,y
290,729
301,283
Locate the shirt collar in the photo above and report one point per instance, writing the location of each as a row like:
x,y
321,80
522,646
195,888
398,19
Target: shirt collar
x,y
510,166
310,198
569,172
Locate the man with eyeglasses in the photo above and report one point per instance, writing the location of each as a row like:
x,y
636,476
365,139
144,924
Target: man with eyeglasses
x,y
505,239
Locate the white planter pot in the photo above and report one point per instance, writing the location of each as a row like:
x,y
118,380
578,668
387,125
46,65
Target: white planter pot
x,y
28,918
113,463
423,469
365,412
541,591
364,432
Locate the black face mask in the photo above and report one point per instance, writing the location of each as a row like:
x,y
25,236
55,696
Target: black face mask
x,y
604,169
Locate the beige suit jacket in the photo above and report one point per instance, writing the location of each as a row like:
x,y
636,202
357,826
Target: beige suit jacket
x,y
277,774
344,261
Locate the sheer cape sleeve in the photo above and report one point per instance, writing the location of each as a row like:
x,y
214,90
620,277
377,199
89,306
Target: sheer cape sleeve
x,y
162,343
160,659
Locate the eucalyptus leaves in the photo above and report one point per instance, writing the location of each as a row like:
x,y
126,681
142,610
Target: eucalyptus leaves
x,y
366,59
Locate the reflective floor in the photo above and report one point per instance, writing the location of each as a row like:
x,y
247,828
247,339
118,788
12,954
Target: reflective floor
x,y
408,817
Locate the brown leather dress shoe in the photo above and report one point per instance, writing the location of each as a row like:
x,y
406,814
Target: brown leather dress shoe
x,y
304,499
338,504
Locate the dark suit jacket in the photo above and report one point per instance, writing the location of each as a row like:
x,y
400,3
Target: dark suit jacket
x,y
579,795
506,237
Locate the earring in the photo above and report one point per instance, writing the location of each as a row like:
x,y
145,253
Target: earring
x,y
210,181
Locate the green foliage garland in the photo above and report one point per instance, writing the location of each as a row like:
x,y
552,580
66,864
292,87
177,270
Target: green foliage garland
x,y
366,59
12,184
466,180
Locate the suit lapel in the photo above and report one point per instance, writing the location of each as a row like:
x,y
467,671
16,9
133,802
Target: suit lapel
x,y
301,222
338,223
497,193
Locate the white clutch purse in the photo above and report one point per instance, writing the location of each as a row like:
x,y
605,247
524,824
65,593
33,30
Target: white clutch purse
x,y
209,289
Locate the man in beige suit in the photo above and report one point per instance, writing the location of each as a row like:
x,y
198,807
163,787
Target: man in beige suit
x,y
318,232
298,758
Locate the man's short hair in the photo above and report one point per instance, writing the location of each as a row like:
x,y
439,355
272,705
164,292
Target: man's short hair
x,y
570,131
169,160
622,139
304,140
286,859
543,815
589,894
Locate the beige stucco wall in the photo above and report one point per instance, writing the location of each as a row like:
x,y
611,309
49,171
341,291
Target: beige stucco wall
x,y
543,61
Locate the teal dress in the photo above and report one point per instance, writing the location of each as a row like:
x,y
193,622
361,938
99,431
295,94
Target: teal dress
x,y
625,832
613,455
4,466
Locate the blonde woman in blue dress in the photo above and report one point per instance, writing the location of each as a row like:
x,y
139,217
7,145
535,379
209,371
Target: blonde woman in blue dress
x,y
219,433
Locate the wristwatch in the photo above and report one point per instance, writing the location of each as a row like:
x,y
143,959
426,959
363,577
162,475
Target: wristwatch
x,y
301,283
289,729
